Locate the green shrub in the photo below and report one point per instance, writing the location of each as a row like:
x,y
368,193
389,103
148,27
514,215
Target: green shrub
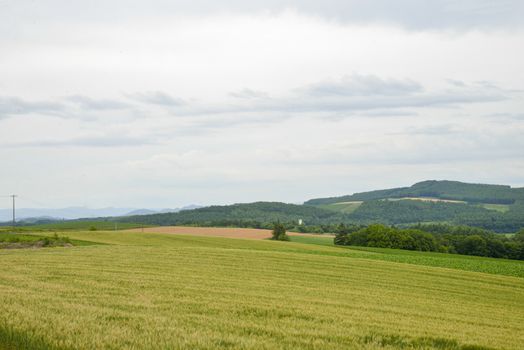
x,y
279,232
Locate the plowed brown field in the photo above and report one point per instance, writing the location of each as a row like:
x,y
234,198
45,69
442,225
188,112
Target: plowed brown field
x,y
230,232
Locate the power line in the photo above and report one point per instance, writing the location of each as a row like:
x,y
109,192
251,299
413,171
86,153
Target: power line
x,y
13,197
14,210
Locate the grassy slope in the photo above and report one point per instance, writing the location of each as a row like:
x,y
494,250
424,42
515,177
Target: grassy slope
x,y
503,208
344,207
167,291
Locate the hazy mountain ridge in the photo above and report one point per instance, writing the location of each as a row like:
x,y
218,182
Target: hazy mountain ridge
x,y
72,213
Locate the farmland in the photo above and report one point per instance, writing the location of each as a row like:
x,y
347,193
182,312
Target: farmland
x,y
80,225
168,291
227,232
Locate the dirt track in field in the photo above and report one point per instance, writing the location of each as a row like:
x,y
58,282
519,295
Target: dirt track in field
x,y
230,232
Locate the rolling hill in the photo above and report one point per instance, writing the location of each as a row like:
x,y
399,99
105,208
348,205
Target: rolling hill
x,y
251,214
444,190
495,207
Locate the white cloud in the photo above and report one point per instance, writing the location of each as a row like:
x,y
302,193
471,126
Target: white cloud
x,y
255,101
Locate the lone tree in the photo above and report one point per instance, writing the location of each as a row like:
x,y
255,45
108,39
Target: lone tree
x,y
279,232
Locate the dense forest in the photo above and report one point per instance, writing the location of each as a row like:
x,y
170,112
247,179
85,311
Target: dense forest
x,y
434,238
451,190
410,212
404,213
510,221
257,215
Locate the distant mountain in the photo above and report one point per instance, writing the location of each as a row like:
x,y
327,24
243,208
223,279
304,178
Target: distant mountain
x,y
62,213
71,213
38,220
161,211
141,212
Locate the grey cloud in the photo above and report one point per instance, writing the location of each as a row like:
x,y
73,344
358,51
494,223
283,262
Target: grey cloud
x,y
248,94
88,103
107,141
411,14
10,106
457,83
432,130
389,113
363,85
304,101
157,98
371,103
511,116
62,108
363,95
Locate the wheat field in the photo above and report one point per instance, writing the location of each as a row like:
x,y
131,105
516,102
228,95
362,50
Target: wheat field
x,y
160,291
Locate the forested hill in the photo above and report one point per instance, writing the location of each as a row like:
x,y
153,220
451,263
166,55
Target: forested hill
x,y
492,207
398,212
250,215
448,190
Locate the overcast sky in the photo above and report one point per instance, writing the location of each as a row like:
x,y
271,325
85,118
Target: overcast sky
x,y
164,103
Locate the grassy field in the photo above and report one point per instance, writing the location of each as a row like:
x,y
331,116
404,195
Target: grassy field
x,y
13,241
75,226
454,261
159,291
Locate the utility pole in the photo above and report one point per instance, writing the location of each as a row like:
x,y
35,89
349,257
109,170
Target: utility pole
x,y
14,208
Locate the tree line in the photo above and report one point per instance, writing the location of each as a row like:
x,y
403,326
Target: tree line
x,y
434,238
400,212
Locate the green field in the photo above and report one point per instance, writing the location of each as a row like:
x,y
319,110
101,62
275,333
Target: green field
x,y
18,240
153,291
75,226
